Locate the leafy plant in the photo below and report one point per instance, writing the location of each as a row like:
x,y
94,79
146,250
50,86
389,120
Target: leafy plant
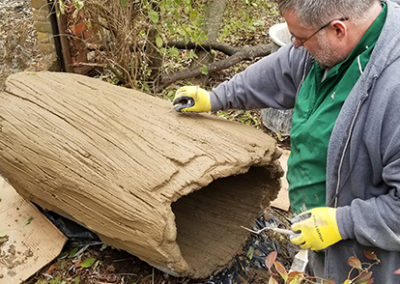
x,y
129,38
364,275
78,4
250,21
249,117
278,271
362,270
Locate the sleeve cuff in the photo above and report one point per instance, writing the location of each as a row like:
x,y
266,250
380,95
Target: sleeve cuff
x,y
345,222
215,104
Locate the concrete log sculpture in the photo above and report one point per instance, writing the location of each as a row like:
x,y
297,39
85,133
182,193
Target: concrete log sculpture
x,y
171,189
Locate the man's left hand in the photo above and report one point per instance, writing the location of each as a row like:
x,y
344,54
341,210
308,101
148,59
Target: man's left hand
x,y
316,229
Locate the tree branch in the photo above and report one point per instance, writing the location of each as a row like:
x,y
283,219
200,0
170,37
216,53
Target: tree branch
x,y
240,55
207,46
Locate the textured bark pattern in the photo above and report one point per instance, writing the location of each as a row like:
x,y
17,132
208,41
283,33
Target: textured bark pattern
x,y
172,189
215,13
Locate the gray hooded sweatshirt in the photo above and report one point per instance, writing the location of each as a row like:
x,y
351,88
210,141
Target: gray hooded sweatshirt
x,y
363,163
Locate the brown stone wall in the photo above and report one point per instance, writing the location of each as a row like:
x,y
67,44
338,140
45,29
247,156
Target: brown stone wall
x,y
41,18
78,39
73,36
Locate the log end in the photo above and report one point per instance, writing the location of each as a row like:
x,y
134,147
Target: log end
x,y
209,220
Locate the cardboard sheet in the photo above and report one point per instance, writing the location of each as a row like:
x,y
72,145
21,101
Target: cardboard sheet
x,y
28,240
282,201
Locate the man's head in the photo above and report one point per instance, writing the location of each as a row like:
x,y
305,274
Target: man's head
x,y
328,29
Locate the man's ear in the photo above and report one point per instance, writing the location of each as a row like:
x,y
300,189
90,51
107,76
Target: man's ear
x,y
340,28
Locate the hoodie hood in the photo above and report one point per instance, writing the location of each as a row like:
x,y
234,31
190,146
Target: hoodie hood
x,y
387,49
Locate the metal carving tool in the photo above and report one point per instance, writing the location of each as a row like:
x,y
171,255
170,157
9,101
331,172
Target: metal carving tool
x,y
300,260
278,230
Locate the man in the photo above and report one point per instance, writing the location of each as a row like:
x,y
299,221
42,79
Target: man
x,y
341,74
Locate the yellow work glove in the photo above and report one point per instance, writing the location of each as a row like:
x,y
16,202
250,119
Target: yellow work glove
x,y
192,98
316,229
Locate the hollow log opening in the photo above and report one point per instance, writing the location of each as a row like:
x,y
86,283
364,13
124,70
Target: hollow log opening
x,y
208,221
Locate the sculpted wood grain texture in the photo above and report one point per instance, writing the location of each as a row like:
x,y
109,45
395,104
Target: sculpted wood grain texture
x,y
172,189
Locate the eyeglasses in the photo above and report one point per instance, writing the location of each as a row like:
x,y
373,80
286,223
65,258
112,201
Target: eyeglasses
x,y
299,42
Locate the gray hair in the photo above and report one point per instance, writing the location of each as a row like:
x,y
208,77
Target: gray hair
x,y
319,12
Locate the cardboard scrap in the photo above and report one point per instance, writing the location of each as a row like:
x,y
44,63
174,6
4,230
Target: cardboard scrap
x,y
28,240
282,201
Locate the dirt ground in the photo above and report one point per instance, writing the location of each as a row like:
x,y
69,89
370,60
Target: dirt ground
x,y
18,44
89,261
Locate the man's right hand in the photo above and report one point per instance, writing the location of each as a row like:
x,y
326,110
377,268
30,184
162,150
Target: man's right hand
x,y
192,98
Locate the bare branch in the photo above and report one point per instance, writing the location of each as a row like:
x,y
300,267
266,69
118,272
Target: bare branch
x,y
207,46
243,54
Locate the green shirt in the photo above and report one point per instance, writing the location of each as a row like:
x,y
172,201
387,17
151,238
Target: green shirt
x,y
317,107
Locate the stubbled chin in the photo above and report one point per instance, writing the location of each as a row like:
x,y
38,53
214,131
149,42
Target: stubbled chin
x,y
326,56
327,60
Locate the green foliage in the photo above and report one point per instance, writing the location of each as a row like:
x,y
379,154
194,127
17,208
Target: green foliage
x,y
73,252
248,19
250,252
183,20
123,3
159,41
88,262
153,16
61,6
248,117
131,34
204,70
78,4
244,22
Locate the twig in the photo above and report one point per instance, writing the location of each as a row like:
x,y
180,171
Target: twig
x,y
206,46
245,53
